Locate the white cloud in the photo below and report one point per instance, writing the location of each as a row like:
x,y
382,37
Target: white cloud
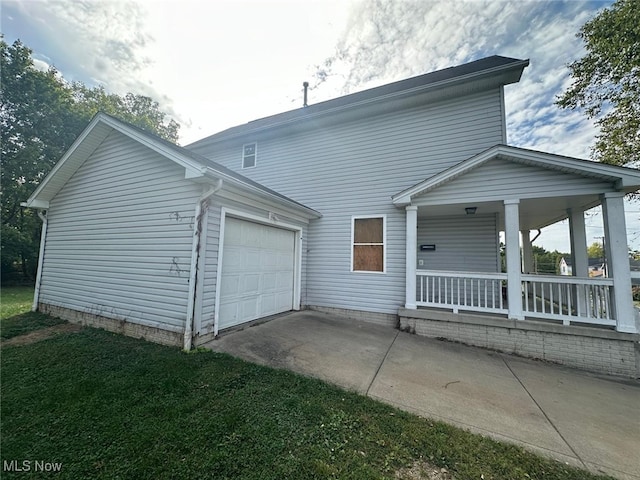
x,y
216,64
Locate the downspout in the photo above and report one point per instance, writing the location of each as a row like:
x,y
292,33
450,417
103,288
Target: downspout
x,y
536,237
201,209
43,239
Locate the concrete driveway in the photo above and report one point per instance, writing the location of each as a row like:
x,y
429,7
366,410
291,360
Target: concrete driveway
x,y
585,420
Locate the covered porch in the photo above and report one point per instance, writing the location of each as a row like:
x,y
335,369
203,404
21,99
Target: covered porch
x,y
453,222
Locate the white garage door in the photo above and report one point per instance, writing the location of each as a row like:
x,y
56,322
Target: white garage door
x,y
257,272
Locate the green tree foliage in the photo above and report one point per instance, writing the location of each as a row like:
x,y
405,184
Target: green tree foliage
x,y
595,250
40,116
547,263
606,82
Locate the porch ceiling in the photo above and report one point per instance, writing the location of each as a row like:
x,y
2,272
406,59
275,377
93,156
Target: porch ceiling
x,y
534,213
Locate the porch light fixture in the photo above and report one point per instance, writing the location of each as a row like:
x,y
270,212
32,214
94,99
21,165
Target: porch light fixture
x,y
471,210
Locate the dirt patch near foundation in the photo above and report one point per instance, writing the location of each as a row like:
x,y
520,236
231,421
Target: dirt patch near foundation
x,y
42,334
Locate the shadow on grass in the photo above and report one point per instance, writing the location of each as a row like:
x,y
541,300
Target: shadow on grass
x,y
25,323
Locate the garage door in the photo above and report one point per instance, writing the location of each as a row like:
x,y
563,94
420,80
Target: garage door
x,y
257,272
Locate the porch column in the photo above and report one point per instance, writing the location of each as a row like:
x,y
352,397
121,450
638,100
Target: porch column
x,y
411,256
527,252
617,253
578,236
514,274
579,255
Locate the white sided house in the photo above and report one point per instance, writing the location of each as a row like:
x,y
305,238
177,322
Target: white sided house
x,y
385,205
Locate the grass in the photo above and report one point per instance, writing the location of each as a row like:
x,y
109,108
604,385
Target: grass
x,y
15,300
108,406
16,317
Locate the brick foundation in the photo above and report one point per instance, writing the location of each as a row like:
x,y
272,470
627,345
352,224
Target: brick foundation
x,y
151,334
592,349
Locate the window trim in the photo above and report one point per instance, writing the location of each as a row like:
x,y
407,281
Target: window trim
x,y
384,242
255,155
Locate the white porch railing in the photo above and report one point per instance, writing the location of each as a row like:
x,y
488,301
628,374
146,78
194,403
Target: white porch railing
x,y
480,292
569,299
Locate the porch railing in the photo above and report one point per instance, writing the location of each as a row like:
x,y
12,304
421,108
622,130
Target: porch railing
x,y
481,292
568,299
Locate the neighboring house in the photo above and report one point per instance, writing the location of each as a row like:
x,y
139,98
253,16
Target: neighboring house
x,y
380,205
596,267
565,267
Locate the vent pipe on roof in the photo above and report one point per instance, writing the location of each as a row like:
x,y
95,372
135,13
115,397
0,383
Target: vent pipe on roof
x,y
306,87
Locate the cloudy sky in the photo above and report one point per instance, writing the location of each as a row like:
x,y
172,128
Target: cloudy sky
x,y
215,64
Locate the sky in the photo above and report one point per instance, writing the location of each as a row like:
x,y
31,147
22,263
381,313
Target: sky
x,y
216,64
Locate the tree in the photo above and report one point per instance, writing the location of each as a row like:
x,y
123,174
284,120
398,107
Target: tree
x,y
595,250
606,82
547,263
40,117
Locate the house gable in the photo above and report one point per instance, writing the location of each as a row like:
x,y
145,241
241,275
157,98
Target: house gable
x,y
534,175
87,142
498,179
119,237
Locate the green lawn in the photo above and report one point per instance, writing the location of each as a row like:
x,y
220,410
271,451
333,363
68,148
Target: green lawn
x,y
108,406
15,300
16,317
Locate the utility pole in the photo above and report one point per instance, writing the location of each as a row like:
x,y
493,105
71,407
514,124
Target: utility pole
x,y
604,255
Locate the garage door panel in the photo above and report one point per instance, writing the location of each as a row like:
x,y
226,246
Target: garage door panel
x,y
230,286
270,283
229,311
257,272
283,281
268,304
250,284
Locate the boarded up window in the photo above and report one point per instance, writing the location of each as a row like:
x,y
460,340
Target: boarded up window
x,y
368,244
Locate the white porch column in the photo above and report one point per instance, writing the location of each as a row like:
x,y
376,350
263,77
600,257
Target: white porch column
x,y
412,255
617,253
527,252
578,236
514,274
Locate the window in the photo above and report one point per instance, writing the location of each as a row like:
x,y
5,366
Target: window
x,y
249,152
368,244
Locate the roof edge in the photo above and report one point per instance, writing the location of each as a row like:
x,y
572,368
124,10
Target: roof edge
x,y
628,178
364,98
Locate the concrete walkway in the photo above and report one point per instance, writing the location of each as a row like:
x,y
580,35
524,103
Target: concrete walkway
x,y
585,420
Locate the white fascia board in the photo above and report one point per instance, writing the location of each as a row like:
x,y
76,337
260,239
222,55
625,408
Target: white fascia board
x,y
62,162
43,204
192,168
625,178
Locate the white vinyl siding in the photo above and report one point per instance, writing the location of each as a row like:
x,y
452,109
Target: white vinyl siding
x,y
119,237
463,243
354,169
499,179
